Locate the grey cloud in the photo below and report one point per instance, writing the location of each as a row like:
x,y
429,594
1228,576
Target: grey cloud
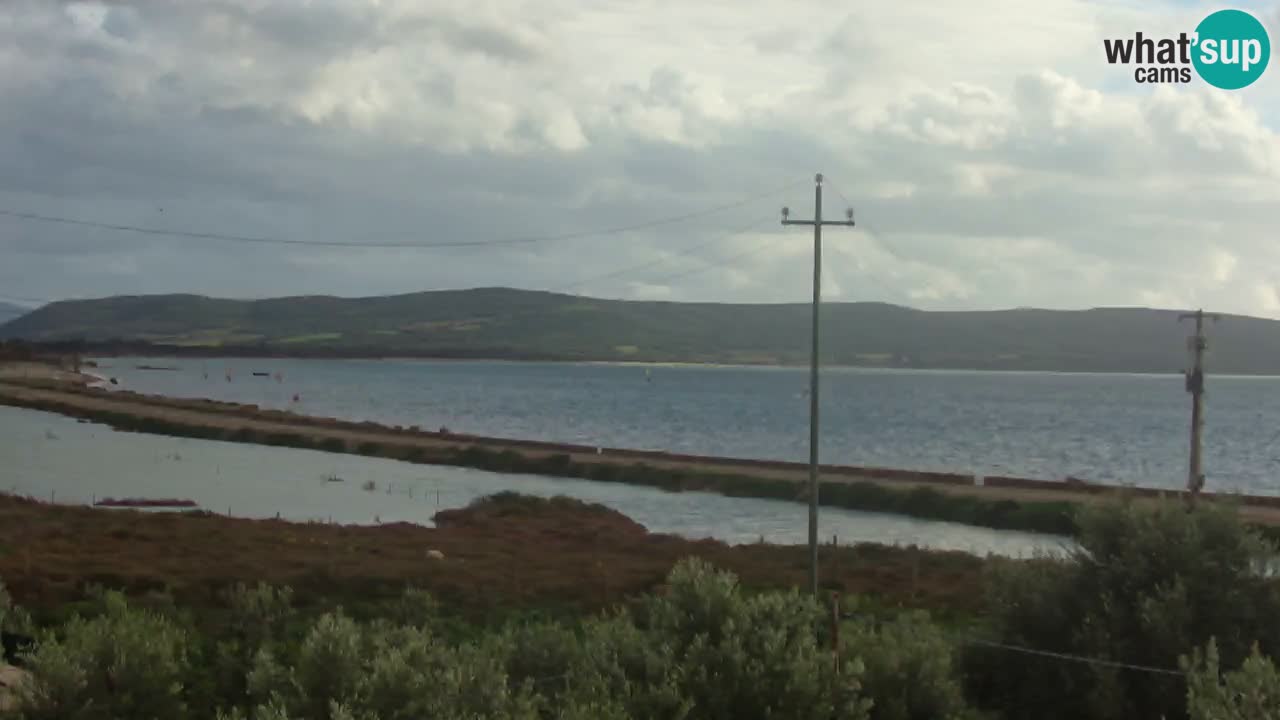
x,y
1009,205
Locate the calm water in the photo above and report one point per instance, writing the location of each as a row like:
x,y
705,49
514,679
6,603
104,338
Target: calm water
x,y
1127,429
50,456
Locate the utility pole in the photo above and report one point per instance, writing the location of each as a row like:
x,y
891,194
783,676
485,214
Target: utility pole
x,y
1195,386
817,222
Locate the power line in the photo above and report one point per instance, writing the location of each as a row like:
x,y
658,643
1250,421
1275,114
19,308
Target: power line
x,y
708,265
1075,658
264,240
16,298
833,186
660,261
719,264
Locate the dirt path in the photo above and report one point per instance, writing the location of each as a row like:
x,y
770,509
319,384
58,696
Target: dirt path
x,y
396,442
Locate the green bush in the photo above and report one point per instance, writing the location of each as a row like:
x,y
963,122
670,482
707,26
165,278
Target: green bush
x,y
1148,584
1249,693
256,620
909,668
744,657
126,663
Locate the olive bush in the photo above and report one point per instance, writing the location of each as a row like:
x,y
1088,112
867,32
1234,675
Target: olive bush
x,y
705,649
742,657
1149,583
124,663
909,668
1250,693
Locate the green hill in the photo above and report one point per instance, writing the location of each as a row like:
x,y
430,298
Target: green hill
x,y
518,324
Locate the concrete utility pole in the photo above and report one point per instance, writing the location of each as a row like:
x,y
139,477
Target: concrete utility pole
x,y
1195,386
817,222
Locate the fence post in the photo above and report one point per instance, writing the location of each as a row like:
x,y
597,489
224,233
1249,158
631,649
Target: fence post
x,y
835,630
915,574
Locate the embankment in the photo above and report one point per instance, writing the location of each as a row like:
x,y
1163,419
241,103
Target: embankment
x,y
1000,503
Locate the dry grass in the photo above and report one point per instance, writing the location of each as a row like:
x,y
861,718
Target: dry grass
x,y
519,553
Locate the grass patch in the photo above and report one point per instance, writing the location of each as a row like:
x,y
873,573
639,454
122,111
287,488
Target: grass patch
x,y
313,337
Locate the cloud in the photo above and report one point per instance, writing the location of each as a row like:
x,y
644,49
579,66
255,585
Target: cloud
x,y
998,163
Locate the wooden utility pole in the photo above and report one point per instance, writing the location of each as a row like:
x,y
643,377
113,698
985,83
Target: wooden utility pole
x,y
817,222
1195,386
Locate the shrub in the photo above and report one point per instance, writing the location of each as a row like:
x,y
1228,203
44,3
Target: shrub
x,y
124,663
256,620
333,444
415,608
557,464
704,650
908,669
1250,693
328,666
1147,584
749,657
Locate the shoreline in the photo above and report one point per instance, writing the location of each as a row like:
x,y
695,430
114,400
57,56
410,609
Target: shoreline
x,y
105,350
655,364
1003,503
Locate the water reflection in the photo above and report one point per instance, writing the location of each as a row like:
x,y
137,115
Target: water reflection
x,y
50,456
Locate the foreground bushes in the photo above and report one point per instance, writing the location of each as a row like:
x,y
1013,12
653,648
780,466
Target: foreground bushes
x,y
703,649
1144,617
1250,693
1147,586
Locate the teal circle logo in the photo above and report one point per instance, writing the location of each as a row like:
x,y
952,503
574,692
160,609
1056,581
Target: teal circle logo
x,y
1232,49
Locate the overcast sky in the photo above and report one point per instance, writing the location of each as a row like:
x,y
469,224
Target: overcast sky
x,y
993,157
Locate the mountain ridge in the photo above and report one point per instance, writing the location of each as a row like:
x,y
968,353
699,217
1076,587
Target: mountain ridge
x,y
508,323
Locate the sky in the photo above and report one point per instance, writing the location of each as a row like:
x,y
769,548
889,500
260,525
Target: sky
x,y
991,155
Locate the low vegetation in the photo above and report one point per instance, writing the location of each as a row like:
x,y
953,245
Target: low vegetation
x,y
509,552
1164,612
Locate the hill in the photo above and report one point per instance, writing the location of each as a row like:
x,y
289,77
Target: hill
x,y
518,324
9,311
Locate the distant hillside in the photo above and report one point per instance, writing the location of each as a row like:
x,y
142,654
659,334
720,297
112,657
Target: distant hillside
x,y
10,312
517,324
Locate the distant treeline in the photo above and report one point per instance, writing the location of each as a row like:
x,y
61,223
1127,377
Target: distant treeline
x,y
19,349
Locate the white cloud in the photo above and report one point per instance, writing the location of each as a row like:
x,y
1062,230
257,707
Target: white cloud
x,y
992,155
